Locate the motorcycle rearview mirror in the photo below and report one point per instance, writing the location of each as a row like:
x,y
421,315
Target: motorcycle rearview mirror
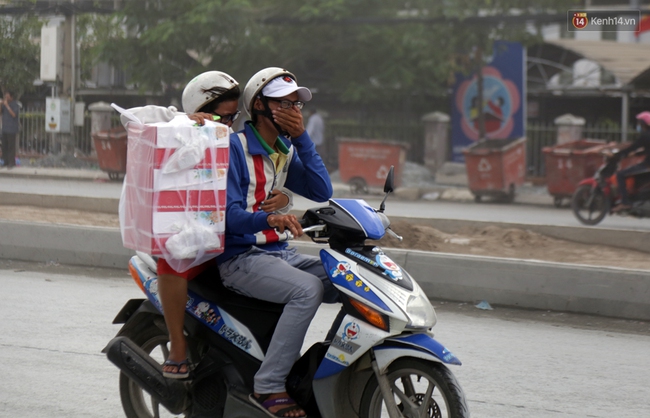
x,y
388,186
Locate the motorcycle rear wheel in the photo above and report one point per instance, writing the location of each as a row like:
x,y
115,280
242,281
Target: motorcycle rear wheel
x,y
136,402
422,390
589,204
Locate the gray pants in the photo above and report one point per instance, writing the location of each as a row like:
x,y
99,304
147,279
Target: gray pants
x,y
297,280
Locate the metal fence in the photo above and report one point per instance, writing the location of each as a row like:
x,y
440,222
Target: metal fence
x,y
540,135
35,142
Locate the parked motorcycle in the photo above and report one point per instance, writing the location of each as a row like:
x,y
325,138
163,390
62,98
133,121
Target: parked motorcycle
x,y
595,197
381,361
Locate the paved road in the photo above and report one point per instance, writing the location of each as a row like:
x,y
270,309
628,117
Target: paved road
x,y
515,213
55,321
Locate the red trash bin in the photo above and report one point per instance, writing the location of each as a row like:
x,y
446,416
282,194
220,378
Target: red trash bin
x,y
111,148
365,163
496,167
570,163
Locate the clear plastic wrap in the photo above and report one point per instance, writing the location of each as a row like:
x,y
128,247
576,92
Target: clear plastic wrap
x,y
174,195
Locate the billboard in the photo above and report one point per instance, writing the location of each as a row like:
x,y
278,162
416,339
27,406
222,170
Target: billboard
x,y
504,83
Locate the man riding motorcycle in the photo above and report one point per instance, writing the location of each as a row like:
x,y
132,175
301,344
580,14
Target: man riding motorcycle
x,y
642,142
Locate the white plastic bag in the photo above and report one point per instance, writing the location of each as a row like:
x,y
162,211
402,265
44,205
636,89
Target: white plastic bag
x,y
189,154
192,240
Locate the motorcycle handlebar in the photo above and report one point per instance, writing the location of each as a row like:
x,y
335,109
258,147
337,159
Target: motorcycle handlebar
x,y
313,228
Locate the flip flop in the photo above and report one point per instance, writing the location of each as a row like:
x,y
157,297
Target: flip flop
x,y
178,365
264,403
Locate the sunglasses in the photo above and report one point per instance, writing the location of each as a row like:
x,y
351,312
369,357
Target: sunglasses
x,y
229,118
286,104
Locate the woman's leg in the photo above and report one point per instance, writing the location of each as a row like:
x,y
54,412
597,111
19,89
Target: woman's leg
x,y
173,297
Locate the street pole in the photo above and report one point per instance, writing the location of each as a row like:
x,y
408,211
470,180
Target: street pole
x,y
625,114
73,55
69,74
479,95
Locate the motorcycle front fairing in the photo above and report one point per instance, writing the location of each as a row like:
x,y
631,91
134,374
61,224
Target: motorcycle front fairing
x,y
366,275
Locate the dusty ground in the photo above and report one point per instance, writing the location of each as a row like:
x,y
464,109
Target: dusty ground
x,y
488,241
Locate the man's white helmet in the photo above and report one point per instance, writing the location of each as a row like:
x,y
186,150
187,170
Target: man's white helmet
x,y
258,81
205,88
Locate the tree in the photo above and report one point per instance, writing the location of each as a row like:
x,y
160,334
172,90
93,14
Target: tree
x,y
20,63
360,51
164,43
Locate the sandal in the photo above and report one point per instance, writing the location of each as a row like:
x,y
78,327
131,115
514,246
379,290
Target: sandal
x,y
264,403
177,374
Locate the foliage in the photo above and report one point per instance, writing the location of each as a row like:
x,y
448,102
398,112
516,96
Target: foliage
x,y
166,42
92,29
359,51
19,66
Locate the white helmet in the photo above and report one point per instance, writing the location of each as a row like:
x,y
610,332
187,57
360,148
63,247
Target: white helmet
x,y
205,88
257,83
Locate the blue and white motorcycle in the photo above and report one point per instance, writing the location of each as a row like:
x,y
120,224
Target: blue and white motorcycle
x,y
379,360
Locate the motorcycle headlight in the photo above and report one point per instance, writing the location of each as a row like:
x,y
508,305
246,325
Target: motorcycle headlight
x,y
420,312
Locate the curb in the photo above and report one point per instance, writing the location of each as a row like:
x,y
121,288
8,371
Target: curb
x,y
89,204
615,292
43,173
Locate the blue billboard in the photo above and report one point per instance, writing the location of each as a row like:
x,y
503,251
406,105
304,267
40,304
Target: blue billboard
x,y
504,83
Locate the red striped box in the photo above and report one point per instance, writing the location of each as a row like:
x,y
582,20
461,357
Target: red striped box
x,y
155,204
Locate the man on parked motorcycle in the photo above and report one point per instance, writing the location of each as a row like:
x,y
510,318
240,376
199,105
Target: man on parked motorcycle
x,y
642,142
272,151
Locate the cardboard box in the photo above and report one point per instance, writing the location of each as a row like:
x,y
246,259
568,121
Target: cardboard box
x,y
157,204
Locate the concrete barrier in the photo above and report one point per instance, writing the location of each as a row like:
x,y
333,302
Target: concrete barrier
x,y
524,283
88,204
633,240
64,244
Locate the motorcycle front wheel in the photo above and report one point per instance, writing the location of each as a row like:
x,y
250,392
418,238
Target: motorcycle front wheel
x,y
421,389
589,204
136,402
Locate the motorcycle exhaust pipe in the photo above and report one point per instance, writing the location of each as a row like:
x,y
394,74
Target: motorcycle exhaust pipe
x,y
147,373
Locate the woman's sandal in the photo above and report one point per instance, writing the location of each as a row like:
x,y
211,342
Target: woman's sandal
x,y
177,374
264,403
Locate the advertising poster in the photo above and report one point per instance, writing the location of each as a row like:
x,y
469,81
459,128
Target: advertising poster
x,y
504,82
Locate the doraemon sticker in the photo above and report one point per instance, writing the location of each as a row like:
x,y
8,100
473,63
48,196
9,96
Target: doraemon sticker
x,y
391,267
344,267
350,331
341,268
341,274
151,287
204,311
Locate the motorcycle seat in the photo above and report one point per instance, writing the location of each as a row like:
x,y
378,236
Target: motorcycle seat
x,y
209,285
261,317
